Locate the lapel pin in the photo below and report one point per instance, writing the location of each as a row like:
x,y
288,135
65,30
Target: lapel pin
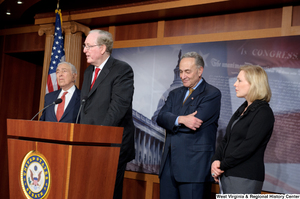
x,y
192,98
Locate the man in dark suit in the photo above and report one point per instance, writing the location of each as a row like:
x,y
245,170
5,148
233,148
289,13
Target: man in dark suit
x,y
190,117
66,74
108,89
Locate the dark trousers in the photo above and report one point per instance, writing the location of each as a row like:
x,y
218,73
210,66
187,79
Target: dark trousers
x,y
171,189
119,181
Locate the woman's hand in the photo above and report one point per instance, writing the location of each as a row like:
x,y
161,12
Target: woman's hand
x,y
215,170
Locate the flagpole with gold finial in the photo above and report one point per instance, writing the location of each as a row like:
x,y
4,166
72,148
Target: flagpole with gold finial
x,y
58,53
59,12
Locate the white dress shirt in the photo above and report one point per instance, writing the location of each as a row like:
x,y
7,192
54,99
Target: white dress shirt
x,y
68,97
101,66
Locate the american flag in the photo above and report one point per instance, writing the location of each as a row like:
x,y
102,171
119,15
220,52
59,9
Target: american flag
x,y
57,55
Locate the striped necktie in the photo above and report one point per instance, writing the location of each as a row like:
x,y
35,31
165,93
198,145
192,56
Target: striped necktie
x,y
190,92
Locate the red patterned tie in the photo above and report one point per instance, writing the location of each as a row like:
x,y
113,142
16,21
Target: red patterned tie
x,y
95,77
61,107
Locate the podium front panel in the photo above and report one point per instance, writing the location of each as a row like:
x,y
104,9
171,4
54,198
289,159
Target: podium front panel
x,y
82,160
97,169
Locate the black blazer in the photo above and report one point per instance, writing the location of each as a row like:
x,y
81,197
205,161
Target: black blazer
x,y
109,102
191,151
71,111
241,151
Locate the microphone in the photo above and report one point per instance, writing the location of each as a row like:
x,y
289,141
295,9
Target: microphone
x,y
82,102
58,101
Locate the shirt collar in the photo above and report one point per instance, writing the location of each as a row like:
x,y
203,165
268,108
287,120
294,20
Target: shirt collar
x,y
102,65
201,80
70,90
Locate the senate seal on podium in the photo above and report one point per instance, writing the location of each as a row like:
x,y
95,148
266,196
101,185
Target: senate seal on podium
x,y
35,176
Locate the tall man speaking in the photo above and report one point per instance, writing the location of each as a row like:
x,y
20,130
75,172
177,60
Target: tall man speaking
x,y
107,89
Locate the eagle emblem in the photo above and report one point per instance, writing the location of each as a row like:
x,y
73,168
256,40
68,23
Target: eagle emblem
x,y
35,177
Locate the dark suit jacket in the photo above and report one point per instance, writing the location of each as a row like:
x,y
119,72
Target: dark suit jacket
x,y
109,102
242,149
71,111
191,151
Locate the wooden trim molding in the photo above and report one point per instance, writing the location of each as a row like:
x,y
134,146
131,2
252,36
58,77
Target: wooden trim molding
x,y
286,24
149,178
20,30
74,27
128,10
225,36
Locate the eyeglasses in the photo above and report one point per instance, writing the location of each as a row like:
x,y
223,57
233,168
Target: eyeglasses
x,y
88,47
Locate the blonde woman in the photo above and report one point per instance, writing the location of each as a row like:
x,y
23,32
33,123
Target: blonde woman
x,y
239,159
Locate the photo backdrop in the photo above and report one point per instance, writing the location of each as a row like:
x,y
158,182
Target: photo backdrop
x,y
156,73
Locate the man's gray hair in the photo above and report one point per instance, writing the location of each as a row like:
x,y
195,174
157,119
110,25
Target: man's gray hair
x,y
198,59
73,68
104,38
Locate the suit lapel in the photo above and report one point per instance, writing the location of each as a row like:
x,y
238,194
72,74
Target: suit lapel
x,y
194,94
180,97
87,81
72,103
52,109
182,94
103,73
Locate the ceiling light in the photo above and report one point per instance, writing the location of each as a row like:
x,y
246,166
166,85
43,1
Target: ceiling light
x,y
19,2
8,12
